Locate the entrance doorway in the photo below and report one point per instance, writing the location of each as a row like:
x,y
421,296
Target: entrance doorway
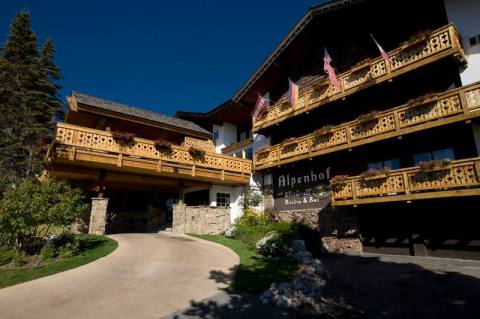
x,y
137,211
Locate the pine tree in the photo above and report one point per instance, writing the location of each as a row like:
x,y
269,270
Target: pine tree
x,y
28,100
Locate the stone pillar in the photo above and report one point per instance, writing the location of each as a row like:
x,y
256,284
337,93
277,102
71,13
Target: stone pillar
x,y
98,216
179,218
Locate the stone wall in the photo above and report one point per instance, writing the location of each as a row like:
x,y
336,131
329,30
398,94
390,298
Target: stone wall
x,y
200,219
337,227
98,216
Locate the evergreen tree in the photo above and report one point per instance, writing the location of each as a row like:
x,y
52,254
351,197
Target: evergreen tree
x,y
28,100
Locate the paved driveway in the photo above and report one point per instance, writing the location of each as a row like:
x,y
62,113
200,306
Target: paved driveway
x,y
148,276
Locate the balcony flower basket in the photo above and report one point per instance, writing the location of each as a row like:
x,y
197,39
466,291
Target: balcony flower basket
x,y
434,165
369,117
361,65
374,174
285,106
197,153
263,149
417,37
339,179
124,139
163,146
325,130
289,141
421,99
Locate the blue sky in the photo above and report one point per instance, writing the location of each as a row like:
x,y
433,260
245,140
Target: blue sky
x,y
160,55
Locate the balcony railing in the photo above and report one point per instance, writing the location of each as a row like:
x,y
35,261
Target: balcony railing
x,y
445,108
441,43
458,178
80,144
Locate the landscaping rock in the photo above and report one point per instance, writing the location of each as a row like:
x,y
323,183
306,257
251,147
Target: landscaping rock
x,y
301,256
306,288
298,245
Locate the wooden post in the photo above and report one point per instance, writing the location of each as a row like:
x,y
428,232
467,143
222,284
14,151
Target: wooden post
x,y
397,120
71,155
120,160
406,185
463,100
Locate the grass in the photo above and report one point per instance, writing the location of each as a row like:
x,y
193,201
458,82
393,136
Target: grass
x,y
94,247
255,273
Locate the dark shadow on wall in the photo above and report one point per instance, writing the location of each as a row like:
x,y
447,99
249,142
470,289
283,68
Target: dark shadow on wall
x,y
368,286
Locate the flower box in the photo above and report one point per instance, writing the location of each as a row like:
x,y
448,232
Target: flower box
x,y
434,165
196,153
368,117
124,139
163,146
374,174
325,130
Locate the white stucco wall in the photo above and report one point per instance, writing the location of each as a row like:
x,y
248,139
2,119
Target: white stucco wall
x,y
236,208
466,16
227,135
476,136
259,141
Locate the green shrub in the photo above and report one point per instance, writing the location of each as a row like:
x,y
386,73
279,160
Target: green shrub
x,y
48,252
251,218
19,259
6,256
69,250
30,211
272,244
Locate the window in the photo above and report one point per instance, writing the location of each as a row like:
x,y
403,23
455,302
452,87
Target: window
x,y
249,153
475,40
440,154
215,135
238,154
243,135
393,163
223,199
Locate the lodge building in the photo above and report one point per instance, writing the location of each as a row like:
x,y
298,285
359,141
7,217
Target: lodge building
x,y
387,162
400,140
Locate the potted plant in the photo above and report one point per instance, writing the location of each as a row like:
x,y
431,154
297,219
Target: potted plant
x,y
374,173
163,146
124,139
324,130
417,37
433,165
338,179
368,117
362,64
419,100
196,153
289,140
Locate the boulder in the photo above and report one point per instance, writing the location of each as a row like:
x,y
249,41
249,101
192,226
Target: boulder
x,y
298,245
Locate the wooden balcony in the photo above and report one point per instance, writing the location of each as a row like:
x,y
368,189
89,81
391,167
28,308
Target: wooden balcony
x,y
76,145
459,178
452,106
440,44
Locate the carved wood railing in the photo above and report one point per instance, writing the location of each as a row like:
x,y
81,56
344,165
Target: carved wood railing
x,y
204,145
441,43
411,183
102,141
452,106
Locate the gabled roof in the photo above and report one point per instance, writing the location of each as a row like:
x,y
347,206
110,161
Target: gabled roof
x,y
312,12
136,112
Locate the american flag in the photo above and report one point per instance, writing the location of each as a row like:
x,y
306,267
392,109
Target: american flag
x,y
292,92
382,51
329,69
263,102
